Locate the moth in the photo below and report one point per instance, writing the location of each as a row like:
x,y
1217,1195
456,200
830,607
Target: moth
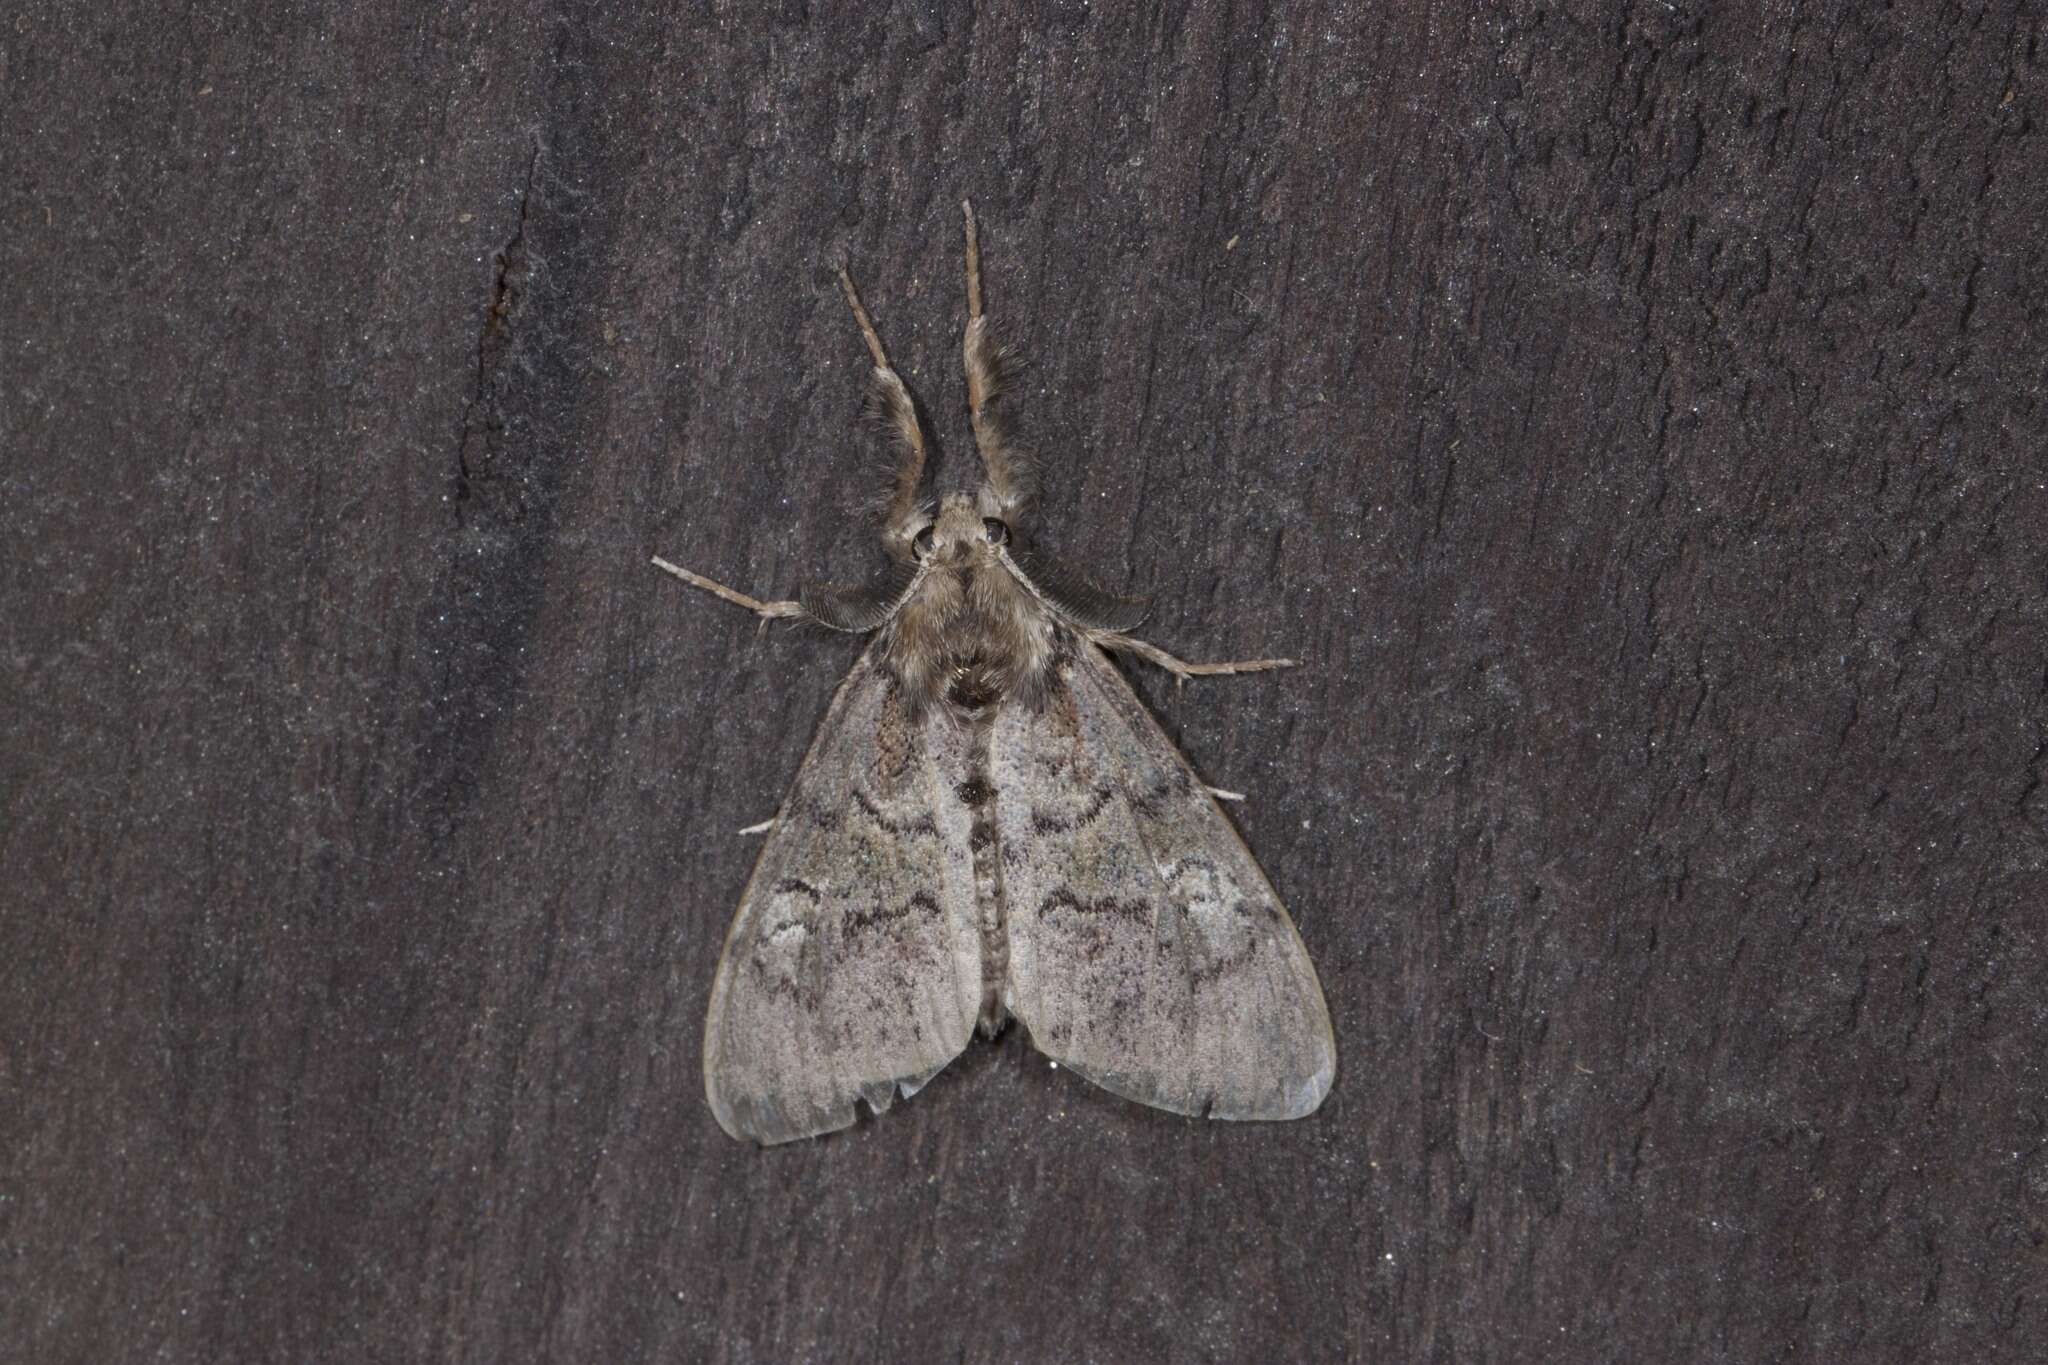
x,y
989,825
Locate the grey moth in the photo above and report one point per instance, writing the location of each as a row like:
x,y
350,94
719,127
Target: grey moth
x,y
990,826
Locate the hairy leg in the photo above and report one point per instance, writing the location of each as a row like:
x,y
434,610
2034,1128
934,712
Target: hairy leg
x,y
767,611
1009,473
1180,668
906,514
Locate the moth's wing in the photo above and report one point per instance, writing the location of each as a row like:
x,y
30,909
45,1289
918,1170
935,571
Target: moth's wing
x,y
853,965
1147,950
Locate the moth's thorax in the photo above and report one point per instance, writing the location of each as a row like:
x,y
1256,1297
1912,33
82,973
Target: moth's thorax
x,y
971,633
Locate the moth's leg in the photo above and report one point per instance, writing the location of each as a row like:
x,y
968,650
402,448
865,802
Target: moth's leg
x,y
1181,669
986,363
767,611
905,515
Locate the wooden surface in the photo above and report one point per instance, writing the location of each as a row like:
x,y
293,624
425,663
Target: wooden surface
x,y
1633,413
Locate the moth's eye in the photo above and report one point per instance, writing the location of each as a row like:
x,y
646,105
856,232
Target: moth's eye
x,y
922,546
998,532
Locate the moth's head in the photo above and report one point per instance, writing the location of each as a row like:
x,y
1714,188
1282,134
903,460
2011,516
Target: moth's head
x,y
966,628
960,536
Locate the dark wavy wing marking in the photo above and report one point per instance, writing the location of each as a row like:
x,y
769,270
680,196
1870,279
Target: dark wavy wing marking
x,y
853,965
1147,950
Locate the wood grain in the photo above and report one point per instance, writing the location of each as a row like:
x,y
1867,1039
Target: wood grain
x,y
1631,413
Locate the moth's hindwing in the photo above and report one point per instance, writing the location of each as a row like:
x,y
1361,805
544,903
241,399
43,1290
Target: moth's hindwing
x,y
1147,950
853,965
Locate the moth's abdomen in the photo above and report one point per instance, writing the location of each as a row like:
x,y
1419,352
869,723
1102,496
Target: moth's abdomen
x,y
978,795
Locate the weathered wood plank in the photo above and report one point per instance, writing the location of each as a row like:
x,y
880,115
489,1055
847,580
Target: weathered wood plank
x,y
1634,416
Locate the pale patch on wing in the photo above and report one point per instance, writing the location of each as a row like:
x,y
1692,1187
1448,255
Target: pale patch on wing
x,y
1147,950
853,966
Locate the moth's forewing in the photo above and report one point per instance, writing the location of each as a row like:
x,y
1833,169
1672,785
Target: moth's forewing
x,y
1147,950
853,965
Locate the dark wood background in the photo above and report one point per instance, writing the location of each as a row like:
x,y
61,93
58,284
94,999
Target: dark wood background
x,y
1633,413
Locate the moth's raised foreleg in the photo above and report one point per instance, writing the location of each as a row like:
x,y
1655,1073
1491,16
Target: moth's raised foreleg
x,y
987,364
1181,669
906,513
767,611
